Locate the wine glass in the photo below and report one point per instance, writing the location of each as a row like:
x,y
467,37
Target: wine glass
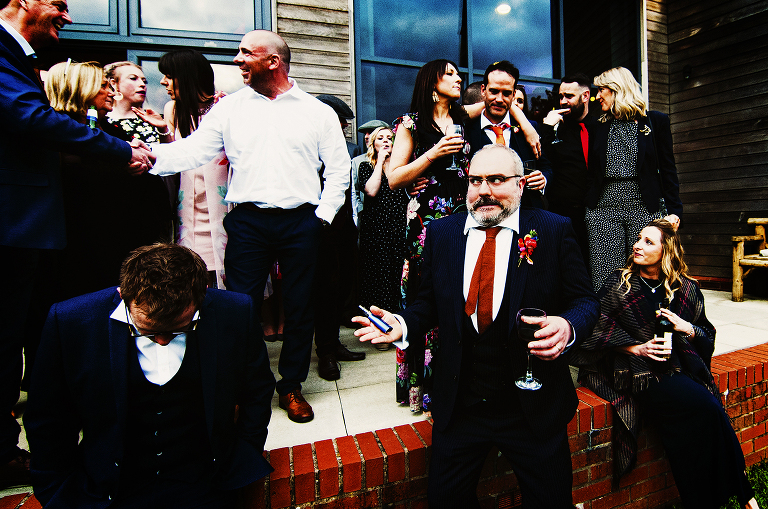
x,y
528,168
525,332
555,128
454,129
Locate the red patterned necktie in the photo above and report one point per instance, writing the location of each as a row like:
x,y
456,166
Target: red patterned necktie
x,y
585,142
480,293
498,130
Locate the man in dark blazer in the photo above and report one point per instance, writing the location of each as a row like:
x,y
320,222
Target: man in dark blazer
x,y
168,419
498,90
31,202
476,403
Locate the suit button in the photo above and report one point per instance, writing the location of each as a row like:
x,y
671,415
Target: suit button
x,y
155,433
158,472
117,464
455,377
160,453
160,412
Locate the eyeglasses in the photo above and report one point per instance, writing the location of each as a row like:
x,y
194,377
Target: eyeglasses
x,y
136,334
492,180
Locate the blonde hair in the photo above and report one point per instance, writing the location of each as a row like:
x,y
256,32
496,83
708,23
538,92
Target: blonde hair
x,y
673,267
372,154
71,86
628,100
111,69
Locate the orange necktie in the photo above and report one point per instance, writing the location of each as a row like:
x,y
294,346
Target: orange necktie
x,y
480,293
499,132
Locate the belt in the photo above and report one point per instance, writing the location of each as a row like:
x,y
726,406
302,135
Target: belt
x,y
273,210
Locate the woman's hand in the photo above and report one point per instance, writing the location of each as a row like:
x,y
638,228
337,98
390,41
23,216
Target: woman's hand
x,y
383,154
672,218
651,349
151,117
448,145
418,186
682,326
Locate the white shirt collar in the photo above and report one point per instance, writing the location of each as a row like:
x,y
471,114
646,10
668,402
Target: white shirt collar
x,y
121,315
485,122
28,50
512,222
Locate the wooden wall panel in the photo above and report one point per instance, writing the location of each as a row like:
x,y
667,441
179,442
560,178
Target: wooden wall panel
x,y
318,33
719,116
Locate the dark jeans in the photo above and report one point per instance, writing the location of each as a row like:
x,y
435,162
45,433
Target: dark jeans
x,y
255,239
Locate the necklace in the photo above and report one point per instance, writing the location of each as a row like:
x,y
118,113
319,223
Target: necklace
x,y
652,288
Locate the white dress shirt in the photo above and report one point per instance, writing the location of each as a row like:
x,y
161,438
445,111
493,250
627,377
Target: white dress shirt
x,y
276,149
485,123
19,38
159,363
475,241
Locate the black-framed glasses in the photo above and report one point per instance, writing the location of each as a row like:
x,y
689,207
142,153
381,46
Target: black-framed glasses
x,y
136,334
492,180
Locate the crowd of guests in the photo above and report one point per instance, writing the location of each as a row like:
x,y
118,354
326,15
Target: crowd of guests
x,y
260,186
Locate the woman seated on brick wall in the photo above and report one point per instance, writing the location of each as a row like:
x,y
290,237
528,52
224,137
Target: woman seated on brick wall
x,y
673,390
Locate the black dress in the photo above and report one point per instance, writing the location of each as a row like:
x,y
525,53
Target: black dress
x,y
108,213
382,243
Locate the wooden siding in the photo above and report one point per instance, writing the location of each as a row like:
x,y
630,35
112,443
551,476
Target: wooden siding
x,y
719,118
658,55
318,33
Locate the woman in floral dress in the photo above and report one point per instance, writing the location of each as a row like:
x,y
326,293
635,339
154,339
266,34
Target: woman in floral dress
x,y
422,156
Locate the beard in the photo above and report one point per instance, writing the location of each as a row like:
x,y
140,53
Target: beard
x,y
490,219
576,112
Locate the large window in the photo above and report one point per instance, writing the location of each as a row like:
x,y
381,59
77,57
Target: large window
x,y
394,38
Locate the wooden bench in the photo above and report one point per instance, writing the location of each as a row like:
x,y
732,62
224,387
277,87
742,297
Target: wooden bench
x,y
740,260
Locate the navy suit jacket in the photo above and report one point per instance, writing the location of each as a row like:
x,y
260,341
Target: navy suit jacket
x,y
477,139
80,383
557,282
31,135
650,171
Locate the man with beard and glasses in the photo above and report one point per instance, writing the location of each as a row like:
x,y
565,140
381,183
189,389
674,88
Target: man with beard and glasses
x,y
565,138
474,282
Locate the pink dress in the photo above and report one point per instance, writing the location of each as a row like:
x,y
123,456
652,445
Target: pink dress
x,y
201,212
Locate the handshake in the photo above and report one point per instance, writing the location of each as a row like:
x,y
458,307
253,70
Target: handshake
x,y
142,158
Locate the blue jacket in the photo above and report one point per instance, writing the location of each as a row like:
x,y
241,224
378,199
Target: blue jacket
x,y
557,282
80,383
31,136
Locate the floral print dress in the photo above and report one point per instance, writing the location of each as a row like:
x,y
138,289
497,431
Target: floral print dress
x,y
445,194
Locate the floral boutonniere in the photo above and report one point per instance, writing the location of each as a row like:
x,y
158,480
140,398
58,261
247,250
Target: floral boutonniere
x,y
516,129
527,244
645,130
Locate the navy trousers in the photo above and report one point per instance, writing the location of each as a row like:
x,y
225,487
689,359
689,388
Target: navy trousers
x,y
542,464
256,237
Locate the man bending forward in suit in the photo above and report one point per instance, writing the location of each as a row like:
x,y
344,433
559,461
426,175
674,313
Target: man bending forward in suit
x,y
152,373
475,403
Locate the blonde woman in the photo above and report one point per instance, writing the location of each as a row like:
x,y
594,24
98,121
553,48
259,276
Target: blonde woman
x,y
634,178
382,227
108,212
671,389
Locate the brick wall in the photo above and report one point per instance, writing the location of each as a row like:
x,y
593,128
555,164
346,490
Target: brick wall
x,y
388,468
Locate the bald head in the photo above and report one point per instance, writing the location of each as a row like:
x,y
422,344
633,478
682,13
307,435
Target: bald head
x,y
264,60
272,43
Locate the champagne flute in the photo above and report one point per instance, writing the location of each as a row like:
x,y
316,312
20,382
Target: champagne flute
x,y
525,332
454,129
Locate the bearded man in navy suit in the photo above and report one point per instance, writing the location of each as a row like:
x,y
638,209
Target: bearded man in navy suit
x,y
475,402
168,382
31,197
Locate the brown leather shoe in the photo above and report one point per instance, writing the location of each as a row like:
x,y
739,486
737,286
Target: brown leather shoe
x,y
15,473
296,406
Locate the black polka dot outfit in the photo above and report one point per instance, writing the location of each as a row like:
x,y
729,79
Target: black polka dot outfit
x,y
620,214
382,243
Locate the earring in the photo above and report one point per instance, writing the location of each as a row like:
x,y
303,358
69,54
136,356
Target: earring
x,y
435,98
118,96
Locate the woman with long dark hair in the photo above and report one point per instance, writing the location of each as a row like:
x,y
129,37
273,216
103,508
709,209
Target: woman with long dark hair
x,y
426,148
189,81
634,173
667,384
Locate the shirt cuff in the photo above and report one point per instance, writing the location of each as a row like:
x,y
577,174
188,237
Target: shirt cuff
x,y
325,212
573,337
403,343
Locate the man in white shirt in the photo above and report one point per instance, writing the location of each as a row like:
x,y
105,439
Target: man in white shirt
x,y
277,138
168,382
475,279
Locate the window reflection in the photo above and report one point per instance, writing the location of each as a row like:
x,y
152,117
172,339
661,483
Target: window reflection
x,y
92,12
523,36
232,16
420,31
227,78
386,92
